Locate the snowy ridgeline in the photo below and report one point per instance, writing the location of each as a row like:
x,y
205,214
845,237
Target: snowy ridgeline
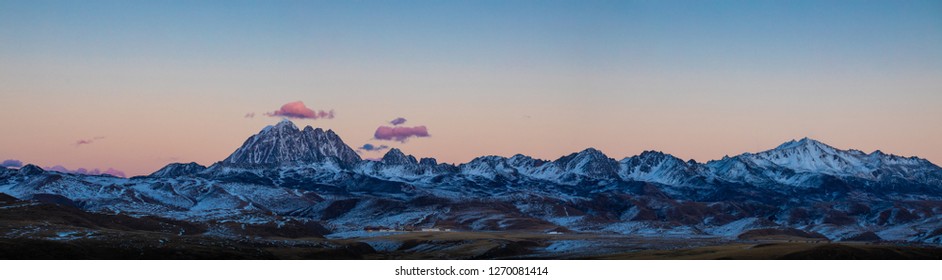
x,y
285,173
803,163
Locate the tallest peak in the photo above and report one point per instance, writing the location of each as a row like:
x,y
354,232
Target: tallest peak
x,y
284,123
283,143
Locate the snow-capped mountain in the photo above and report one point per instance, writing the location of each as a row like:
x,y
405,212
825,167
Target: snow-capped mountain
x,y
397,166
491,168
589,164
285,144
658,167
805,162
310,175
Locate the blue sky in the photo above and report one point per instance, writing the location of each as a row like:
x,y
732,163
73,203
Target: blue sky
x,y
700,79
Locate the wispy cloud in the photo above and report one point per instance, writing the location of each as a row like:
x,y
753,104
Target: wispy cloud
x,y
297,110
400,133
249,115
88,141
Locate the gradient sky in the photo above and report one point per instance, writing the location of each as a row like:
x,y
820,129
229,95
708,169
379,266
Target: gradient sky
x,y
154,82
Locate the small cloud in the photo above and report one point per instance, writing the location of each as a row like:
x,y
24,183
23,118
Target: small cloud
x,y
400,133
398,121
83,171
249,115
12,163
372,148
88,141
297,110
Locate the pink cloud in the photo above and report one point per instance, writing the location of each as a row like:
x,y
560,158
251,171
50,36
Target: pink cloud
x,y
298,110
83,171
88,141
250,115
400,133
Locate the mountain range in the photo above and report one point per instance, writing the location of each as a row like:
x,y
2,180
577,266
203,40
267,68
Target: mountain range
x,y
286,175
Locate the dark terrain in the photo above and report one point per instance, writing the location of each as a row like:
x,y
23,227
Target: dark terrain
x,y
44,230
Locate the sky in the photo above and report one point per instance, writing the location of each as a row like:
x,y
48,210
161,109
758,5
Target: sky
x,y
135,85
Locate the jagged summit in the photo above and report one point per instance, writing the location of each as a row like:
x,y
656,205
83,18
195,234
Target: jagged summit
x,y
396,156
589,162
593,152
651,155
794,143
589,154
396,165
660,167
654,154
428,162
285,144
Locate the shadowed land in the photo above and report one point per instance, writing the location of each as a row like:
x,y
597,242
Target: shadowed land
x,y
37,230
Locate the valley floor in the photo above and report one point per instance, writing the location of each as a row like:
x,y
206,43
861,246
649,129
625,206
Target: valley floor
x,y
35,230
444,245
